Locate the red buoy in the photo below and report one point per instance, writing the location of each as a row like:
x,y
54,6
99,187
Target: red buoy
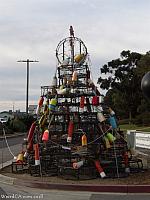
x,y
36,154
31,132
70,131
82,102
99,169
41,100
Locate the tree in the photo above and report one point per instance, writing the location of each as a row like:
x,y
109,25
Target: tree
x,y
123,80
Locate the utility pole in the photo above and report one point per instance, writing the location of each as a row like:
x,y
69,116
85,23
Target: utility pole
x,y
27,90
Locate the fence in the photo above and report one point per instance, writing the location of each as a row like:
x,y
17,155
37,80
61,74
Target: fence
x,y
138,139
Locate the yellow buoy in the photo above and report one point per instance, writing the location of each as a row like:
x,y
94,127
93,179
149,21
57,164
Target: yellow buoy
x,y
20,158
84,140
78,58
53,103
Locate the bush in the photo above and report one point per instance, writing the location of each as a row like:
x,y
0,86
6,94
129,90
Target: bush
x,y
17,125
123,121
143,119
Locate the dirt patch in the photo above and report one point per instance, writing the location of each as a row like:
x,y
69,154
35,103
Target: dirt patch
x,y
141,177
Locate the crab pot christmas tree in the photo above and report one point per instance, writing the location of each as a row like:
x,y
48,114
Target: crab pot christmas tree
x,y
76,134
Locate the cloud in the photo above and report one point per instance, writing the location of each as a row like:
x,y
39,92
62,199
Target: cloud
x,y
31,29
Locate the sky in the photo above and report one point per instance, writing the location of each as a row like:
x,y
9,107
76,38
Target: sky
x,y
32,29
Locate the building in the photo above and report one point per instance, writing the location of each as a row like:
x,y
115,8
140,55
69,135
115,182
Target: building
x,y
32,109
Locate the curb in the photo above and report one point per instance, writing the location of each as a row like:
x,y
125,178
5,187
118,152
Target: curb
x,y
6,180
5,164
89,188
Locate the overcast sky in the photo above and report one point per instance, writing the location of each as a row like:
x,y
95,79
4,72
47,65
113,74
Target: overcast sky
x,y
31,29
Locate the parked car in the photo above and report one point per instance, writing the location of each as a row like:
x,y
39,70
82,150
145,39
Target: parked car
x,y
3,120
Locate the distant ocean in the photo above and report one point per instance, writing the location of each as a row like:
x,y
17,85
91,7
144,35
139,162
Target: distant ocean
x,y
15,105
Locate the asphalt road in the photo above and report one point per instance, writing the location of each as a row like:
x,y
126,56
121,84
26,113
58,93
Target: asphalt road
x,y
11,192
11,141
14,147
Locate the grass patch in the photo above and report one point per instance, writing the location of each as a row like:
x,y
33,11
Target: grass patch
x,y
125,127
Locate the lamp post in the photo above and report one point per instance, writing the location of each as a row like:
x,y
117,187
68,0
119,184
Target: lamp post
x,y
27,83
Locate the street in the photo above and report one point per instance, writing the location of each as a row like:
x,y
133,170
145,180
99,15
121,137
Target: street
x,y
11,140
15,145
11,192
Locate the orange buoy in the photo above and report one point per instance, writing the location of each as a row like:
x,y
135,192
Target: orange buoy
x,y
84,140
31,132
99,169
36,154
70,131
45,136
82,102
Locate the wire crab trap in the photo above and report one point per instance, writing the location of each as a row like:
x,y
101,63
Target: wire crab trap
x,y
75,135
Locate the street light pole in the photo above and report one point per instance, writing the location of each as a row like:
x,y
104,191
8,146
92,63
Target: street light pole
x,y
27,90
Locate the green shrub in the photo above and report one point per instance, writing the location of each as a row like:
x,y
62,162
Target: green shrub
x,y
18,126
143,119
123,121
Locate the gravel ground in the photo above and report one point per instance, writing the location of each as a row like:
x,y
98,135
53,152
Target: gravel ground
x,y
138,178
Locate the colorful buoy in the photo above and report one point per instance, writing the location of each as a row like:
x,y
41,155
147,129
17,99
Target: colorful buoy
x,y
74,76
78,58
84,140
82,102
20,158
31,132
100,117
77,165
99,169
112,122
110,137
45,136
70,131
36,154
52,105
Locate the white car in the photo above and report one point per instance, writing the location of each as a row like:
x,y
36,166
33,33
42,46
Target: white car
x,y
3,120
